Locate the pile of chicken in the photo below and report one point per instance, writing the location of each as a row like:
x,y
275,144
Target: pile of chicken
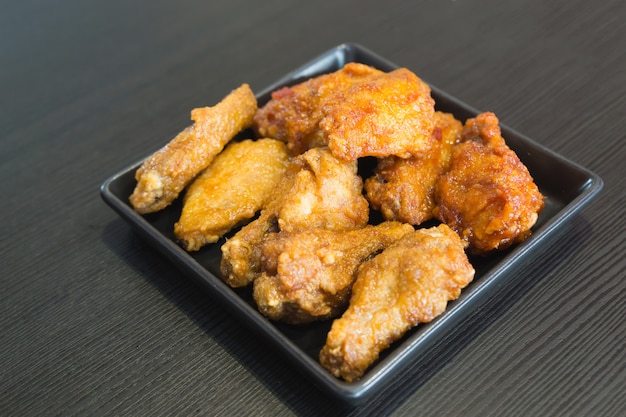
x,y
308,248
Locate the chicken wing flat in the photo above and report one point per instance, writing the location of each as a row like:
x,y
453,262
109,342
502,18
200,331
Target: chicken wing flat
x,y
293,113
165,174
488,196
390,114
409,283
403,188
307,275
234,187
317,191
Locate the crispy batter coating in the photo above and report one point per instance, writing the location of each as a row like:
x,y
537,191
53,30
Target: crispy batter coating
x,y
307,275
488,196
410,282
317,191
165,174
326,193
403,188
234,187
293,113
391,114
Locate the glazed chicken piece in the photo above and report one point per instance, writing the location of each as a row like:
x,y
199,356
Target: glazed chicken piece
x,y
293,113
391,114
317,191
234,187
488,196
167,172
409,283
403,189
307,275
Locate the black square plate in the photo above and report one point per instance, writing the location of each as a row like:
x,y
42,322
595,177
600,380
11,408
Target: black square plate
x,y
567,187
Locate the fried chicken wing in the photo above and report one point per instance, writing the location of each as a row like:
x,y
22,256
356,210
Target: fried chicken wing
x,y
488,196
293,113
391,114
165,174
317,191
307,275
403,188
234,187
410,282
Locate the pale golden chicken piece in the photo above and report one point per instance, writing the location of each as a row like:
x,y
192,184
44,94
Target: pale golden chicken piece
x,y
409,283
307,275
488,196
326,193
403,188
167,172
293,113
390,114
234,187
317,191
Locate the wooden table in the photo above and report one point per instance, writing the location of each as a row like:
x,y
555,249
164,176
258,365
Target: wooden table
x,y
95,322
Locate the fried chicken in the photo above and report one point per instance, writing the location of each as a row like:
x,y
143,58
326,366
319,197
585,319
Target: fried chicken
x,y
391,114
409,283
317,191
403,188
234,187
293,113
357,111
488,196
307,275
165,174
326,193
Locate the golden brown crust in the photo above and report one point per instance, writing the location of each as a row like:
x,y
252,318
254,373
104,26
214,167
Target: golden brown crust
x,y
162,176
390,114
410,282
317,191
293,113
403,189
307,275
234,187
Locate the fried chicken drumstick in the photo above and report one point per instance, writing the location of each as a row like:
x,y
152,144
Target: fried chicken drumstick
x,y
165,173
410,282
307,275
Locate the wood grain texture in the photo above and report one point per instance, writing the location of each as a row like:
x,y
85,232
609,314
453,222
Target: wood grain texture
x,y
94,322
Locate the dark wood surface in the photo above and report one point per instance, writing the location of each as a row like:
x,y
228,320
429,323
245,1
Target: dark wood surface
x,y
94,322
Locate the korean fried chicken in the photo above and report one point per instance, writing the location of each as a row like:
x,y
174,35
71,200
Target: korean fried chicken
x,y
326,193
403,188
357,111
316,191
488,196
234,187
307,275
293,113
391,114
165,174
410,282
